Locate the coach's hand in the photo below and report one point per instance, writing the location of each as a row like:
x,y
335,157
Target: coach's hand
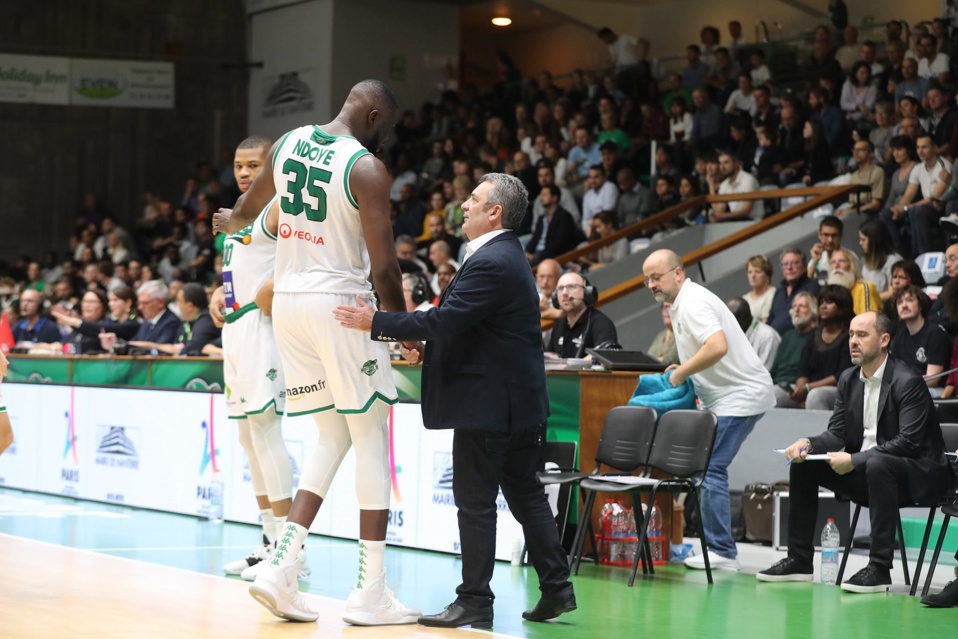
x,y
359,318
221,220
412,351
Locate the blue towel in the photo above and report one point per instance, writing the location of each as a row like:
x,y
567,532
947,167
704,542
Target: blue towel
x,y
656,392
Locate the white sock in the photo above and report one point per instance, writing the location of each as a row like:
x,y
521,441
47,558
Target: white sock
x,y
289,544
280,524
371,555
269,524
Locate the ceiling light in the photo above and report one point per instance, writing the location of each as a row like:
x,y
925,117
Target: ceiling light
x,y
502,21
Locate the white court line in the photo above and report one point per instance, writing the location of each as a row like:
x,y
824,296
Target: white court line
x,y
160,548
221,579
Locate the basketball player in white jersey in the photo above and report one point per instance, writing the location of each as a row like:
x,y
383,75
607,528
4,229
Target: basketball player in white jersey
x,y
252,368
6,431
334,233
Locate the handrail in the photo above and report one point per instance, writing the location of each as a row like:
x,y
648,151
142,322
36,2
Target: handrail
x,y
823,195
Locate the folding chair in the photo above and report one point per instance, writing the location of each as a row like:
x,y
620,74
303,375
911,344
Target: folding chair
x,y
682,449
624,446
949,507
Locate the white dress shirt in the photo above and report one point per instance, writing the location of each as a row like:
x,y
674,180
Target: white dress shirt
x,y
870,408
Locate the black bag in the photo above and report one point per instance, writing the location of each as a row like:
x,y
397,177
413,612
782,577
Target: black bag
x,y
758,505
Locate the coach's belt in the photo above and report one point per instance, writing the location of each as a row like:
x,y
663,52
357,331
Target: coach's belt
x,y
240,312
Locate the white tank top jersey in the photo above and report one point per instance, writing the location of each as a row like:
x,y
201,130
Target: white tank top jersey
x,y
321,247
248,259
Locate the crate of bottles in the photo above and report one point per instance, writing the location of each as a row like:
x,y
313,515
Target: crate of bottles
x,y
618,540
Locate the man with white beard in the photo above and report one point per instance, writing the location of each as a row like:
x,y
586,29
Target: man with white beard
x,y
845,270
804,314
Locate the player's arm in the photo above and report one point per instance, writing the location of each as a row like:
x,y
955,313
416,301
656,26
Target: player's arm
x,y
260,192
369,182
264,298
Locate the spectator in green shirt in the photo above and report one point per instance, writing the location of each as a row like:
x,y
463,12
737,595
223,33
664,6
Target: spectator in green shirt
x,y
611,132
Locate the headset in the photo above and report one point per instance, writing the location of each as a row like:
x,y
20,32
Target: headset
x,y
589,297
421,291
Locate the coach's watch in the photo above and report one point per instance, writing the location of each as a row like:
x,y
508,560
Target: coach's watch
x,y
905,208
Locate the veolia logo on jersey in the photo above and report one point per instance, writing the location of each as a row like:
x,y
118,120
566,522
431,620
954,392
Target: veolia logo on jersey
x,y
286,231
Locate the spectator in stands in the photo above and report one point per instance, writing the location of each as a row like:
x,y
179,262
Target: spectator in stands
x,y
440,253
635,200
604,224
859,94
769,159
609,131
949,299
939,29
742,142
763,338
822,66
904,273
845,270
830,232
724,74
695,74
761,74
688,189
665,194
765,115
121,320
655,125
454,212
832,121
555,232
847,54
784,371
611,161
910,109
35,279
742,99
583,326
681,124
866,173
884,131
904,154
159,325
411,212
93,311
825,355
663,347
758,269
924,346
546,176
602,195
791,139
706,123
941,119
547,277
625,52
933,63
406,254
734,180
878,256
194,332
795,280
911,84
929,180
436,229
34,326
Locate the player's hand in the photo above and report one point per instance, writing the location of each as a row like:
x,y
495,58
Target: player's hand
x,y
217,304
264,298
359,318
4,363
412,351
221,220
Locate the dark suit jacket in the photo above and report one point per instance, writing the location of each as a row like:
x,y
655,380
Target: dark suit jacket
x,y
163,333
561,237
483,366
907,427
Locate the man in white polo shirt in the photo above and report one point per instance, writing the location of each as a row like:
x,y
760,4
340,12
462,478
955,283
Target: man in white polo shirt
x,y
735,181
921,206
729,380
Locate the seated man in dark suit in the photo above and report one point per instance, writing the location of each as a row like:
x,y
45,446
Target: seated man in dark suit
x,y
893,454
556,231
159,325
196,330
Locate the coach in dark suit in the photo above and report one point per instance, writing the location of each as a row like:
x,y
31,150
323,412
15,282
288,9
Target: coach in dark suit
x,y
893,455
483,376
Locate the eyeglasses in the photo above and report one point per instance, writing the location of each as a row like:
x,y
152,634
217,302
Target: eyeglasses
x,y
793,263
568,288
655,277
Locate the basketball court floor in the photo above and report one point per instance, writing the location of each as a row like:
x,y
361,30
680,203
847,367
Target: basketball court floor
x,y
81,569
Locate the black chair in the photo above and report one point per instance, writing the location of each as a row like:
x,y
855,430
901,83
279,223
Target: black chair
x,y
562,454
949,505
624,446
682,449
947,412
901,546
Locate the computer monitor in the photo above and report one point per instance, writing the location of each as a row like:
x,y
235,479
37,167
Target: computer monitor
x,y
616,360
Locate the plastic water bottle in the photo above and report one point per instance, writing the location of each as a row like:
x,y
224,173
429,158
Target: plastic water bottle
x,y
605,532
215,511
632,535
616,549
655,534
830,541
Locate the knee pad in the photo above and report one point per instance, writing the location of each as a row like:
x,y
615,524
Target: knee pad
x,y
370,436
266,433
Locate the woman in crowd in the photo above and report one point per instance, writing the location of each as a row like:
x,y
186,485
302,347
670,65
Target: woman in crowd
x,y
663,347
818,157
93,310
878,256
604,224
688,189
859,94
903,273
680,122
758,268
905,155
119,317
825,355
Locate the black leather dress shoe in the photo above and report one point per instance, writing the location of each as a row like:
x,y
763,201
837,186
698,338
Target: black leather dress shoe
x,y
456,615
551,606
947,598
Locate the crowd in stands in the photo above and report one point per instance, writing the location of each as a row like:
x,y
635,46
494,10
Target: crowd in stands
x,y
878,112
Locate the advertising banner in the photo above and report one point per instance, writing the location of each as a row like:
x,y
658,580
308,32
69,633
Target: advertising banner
x,y
121,83
34,79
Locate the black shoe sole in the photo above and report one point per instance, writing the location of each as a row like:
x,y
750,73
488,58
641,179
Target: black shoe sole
x,y
552,614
